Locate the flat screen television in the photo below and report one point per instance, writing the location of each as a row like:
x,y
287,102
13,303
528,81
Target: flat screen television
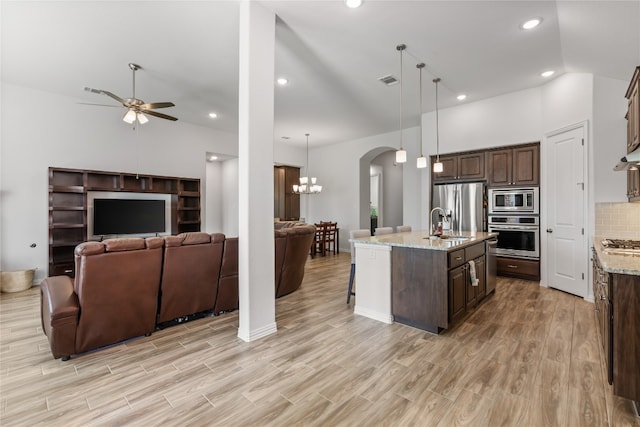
x,y
113,216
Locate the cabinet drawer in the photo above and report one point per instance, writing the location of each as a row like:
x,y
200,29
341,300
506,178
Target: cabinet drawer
x,y
474,251
456,258
518,267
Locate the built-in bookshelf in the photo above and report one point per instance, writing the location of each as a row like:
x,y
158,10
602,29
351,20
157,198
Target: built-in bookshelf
x,y
68,206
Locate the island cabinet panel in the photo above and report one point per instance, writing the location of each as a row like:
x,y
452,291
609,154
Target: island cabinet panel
x,y
626,335
419,288
457,293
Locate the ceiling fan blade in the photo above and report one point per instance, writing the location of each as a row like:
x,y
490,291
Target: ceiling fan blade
x,y
156,114
116,97
99,105
155,105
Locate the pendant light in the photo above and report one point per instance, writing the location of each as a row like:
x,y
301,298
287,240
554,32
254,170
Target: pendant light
x,y
422,160
306,187
401,154
437,166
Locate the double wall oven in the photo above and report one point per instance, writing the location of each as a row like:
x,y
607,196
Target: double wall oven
x,y
514,215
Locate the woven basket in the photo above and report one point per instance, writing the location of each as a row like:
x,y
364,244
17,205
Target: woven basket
x,y
16,281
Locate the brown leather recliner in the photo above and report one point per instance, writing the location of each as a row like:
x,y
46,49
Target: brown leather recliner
x,y
298,241
228,283
190,274
114,296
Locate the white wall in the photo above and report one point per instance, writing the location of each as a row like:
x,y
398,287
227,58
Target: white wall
x,y
41,129
610,136
213,189
229,183
391,189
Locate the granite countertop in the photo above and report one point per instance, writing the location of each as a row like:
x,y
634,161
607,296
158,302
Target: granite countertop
x,y
420,240
616,262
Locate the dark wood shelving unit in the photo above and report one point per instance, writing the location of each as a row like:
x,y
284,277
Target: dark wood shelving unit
x,y
68,206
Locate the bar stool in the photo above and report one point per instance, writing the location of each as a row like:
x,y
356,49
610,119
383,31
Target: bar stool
x,y
403,228
383,230
354,234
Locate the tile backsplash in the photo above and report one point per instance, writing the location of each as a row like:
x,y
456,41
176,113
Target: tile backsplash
x,y
618,220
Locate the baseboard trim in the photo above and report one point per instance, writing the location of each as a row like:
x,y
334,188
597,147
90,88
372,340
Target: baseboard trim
x,y
372,314
256,334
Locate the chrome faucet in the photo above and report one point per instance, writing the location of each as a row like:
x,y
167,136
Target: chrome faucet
x,y
444,214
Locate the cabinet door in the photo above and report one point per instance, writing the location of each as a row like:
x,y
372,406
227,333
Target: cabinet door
x,y
471,166
500,164
449,169
633,185
481,274
633,117
526,162
457,298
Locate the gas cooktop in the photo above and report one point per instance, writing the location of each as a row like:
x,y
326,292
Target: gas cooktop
x,y
621,246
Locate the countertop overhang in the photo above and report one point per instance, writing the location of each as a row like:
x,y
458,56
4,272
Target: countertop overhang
x,y
617,263
420,240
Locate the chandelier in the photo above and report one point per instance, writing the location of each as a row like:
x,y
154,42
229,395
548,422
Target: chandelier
x,y
307,185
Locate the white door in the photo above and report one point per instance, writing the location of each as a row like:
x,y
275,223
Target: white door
x,y
565,186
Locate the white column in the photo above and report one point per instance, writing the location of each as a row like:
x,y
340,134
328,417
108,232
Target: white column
x,y
255,170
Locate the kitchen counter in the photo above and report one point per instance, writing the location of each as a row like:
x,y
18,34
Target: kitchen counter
x,y
617,263
420,240
422,282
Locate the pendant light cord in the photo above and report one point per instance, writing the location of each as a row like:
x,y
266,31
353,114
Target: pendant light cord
x,y
436,81
420,66
401,48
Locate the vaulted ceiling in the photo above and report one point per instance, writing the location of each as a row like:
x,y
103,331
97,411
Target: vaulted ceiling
x,y
331,55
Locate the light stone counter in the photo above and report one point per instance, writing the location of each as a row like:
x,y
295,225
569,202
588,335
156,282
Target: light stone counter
x,y
420,240
617,262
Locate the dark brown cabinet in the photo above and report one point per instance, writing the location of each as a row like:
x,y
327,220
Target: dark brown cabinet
x,y
633,134
68,206
465,166
517,166
286,203
520,268
618,313
462,294
633,113
457,293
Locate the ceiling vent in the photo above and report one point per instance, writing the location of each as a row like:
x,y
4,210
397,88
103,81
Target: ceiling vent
x,y
389,80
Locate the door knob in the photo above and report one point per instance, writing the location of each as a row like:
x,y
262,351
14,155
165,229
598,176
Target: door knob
x,y
549,230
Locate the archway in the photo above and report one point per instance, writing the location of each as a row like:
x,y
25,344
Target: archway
x,y
393,191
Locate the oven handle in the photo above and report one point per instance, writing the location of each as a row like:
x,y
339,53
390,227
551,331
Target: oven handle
x,y
512,227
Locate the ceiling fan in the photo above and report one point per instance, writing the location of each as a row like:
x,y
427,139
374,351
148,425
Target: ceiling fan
x,y
136,108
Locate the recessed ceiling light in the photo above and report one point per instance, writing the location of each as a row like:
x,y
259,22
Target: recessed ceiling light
x,y
461,97
531,23
282,81
213,115
547,73
353,3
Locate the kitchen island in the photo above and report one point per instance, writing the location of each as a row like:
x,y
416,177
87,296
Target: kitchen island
x,y
422,282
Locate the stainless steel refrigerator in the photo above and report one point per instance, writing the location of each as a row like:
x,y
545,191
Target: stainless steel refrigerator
x,y
464,205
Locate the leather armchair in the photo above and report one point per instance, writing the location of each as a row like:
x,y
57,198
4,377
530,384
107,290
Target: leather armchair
x,y
114,296
190,274
296,249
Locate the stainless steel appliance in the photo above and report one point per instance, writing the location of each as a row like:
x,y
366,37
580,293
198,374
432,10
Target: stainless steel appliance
x,y
514,200
621,246
463,204
491,245
519,236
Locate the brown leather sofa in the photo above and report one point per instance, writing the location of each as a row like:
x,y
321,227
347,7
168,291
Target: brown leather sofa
x,y
190,273
114,296
127,287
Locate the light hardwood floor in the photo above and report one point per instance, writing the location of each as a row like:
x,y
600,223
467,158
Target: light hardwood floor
x,y
528,356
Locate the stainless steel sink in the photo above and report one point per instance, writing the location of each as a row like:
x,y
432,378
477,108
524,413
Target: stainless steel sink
x,y
450,238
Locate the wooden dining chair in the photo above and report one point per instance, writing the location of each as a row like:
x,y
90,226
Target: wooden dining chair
x,y
330,231
318,245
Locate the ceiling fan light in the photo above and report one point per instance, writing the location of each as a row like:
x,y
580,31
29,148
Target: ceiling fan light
x,y
421,163
437,167
130,116
142,119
